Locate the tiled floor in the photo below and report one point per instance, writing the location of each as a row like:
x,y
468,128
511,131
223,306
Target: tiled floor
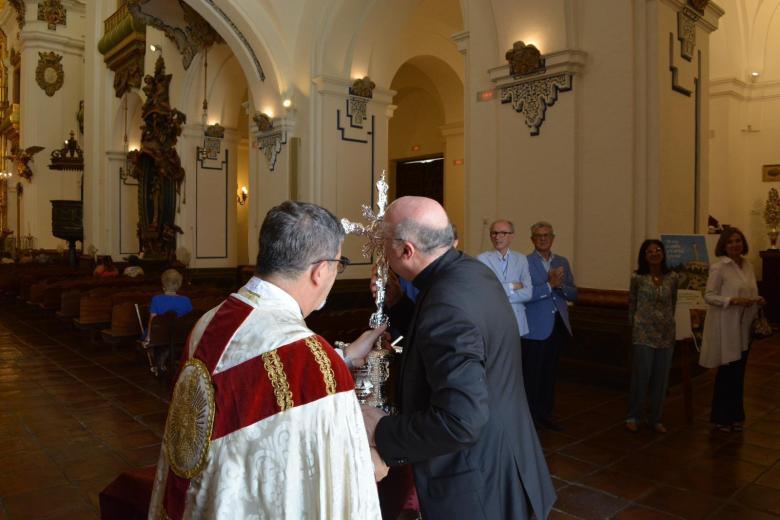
x,y
75,412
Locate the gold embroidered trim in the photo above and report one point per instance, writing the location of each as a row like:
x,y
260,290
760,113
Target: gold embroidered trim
x,y
190,421
324,362
275,369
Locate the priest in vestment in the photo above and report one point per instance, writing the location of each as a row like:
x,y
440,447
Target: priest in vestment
x,y
264,421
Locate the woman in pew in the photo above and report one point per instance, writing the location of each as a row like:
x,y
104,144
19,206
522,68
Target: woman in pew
x,y
652,297
106,268
733,302
169,301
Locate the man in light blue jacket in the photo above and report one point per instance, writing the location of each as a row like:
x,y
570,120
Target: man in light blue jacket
x,y
511,268
548,322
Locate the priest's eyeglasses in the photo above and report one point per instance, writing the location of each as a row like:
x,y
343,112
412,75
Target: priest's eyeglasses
x,y
343,263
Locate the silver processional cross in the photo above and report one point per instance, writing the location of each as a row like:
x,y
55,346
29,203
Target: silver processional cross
x,y
371,379
374,246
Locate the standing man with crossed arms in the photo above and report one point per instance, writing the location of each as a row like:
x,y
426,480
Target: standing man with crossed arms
x,y
511,269
548,322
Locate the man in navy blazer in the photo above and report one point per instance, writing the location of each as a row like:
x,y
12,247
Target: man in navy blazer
x,y
548,323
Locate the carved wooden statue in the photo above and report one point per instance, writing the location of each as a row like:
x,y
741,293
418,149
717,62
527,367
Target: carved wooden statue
x,y
158,168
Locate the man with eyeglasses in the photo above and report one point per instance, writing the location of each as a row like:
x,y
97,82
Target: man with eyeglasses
x,y
548,323
264,421
511,269
464,424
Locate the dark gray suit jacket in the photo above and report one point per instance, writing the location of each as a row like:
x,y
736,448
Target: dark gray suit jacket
x,y
464,423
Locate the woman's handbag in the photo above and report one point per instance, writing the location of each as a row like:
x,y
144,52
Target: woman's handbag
x,y
760,328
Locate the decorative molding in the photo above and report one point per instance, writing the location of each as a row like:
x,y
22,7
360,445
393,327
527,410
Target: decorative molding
x,y
524,59
212,143
49,73
53,13
360,93
686,32
240,36
216,130
195,34
699,5
123,46
708,16
356,110
69,157
336,86
534,94
743,91
271,144
675,71
21,10
533,97
263,121
461,39
363,87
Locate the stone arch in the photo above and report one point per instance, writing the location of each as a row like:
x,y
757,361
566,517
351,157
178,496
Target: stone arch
x,y
253,35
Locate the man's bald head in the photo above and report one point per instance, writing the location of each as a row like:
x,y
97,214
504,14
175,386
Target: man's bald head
x,y
421,221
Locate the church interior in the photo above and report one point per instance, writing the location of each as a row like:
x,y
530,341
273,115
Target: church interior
x,y
166,130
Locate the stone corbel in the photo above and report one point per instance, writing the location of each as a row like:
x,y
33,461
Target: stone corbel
x,y
271,139
533,93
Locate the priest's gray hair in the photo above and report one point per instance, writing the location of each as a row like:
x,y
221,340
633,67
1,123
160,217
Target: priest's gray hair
x,y
296,235
425,239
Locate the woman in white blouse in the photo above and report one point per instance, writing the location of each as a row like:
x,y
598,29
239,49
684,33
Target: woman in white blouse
x,y
733,301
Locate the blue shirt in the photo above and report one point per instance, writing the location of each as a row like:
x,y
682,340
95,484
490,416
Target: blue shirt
x,y
509,269
162,303
408,289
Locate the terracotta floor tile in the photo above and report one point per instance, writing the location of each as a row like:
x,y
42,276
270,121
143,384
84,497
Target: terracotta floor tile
x,y
624,485
750,453
771,478
594,454
759,497
567,468
587,503
734,512
680,502
635,512
46,503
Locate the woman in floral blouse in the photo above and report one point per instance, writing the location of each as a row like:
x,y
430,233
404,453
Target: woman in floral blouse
x,y
652,298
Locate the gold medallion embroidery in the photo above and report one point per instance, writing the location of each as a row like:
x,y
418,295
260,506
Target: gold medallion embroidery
x,y
324,362
275,369
190,420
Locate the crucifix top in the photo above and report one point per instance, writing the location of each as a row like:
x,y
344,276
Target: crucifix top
x,y
374,246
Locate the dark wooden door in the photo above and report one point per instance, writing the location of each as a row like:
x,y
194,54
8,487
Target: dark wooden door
x,y
422,177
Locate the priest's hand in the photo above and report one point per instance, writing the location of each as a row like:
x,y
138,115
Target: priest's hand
x,y
359,349
380,468
371,417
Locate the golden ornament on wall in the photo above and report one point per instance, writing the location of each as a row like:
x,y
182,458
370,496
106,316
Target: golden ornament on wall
x,y
524,59
49,73
53,13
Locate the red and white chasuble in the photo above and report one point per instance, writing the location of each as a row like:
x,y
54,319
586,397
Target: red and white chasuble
x,y
264,422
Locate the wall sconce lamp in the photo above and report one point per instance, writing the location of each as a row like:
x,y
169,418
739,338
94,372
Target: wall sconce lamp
x,y
155,47
242,196
287,103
